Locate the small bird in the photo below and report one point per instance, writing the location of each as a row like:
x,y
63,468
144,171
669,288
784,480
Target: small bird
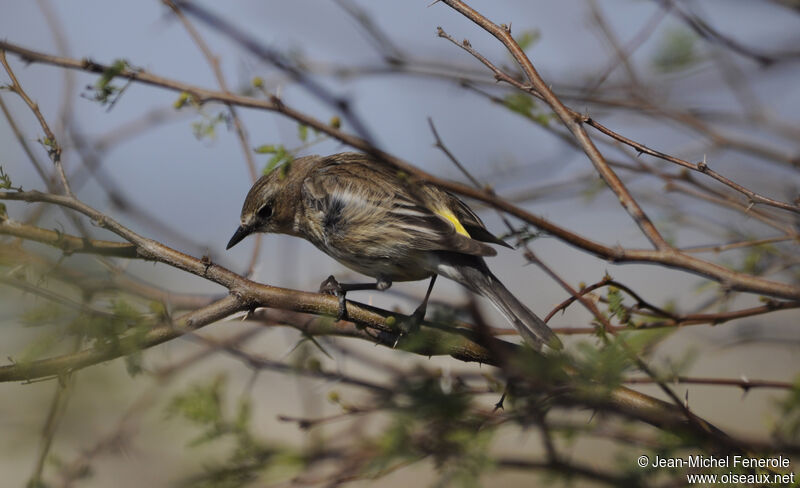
x,y
374,219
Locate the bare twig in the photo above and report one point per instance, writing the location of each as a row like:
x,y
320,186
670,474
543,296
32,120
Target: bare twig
x,y
670,258
50,142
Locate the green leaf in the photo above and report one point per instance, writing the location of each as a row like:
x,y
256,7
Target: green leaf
x,y
182,100
302,132
676,52
528,38
133,363
787,428
104,91
281,159
208,127
202,405
526,106
5,180
265,149
519,103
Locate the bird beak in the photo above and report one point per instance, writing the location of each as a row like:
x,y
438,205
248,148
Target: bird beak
x,y
240,234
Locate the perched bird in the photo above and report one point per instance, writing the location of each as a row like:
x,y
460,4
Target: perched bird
x,y
372,218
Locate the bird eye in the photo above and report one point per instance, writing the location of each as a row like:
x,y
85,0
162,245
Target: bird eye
x,y
265,212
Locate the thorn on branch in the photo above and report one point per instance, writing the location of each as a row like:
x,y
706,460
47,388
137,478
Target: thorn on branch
x,y
273,99
702,166
206,261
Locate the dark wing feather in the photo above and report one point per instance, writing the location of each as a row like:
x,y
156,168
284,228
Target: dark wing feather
x,y
473,224
389,208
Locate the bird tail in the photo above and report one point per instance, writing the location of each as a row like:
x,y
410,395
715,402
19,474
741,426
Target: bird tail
x,y
480,280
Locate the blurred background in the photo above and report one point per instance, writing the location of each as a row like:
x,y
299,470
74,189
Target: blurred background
x,y
179,176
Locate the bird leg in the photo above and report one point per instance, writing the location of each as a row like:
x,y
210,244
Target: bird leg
x,y
419,313
413,323
332,287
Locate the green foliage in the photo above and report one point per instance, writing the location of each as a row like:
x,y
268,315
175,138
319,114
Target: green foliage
x,y
207,128
615,306
41,345
528,38
108,330
104,92
265,149
183,99
44,314
429,421
281,158
676,51
605,364
5,180
758,258
526,106
302,132
593,189
787,428
203,405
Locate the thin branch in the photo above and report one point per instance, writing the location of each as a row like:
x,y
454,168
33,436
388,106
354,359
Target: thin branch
x,y
608,281
569,119
50,142
700,167
241,132
23,142
55,414
670,258
272,56
707,32
67,243
213,62
697,423
744,383
740,244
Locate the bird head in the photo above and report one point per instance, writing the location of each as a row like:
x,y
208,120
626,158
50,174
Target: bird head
x,y
269,206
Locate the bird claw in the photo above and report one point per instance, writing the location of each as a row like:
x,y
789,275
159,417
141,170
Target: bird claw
x,y
332,287
500,403
410,324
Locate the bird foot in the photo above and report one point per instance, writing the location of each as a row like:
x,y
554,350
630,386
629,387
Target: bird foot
x,y
410,324
332,287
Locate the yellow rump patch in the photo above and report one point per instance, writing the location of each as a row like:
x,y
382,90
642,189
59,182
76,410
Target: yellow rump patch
x,y
449,215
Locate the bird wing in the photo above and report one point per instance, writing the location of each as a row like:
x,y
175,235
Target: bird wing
x,y
473,224
357,197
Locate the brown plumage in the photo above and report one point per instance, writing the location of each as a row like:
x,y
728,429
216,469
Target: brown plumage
x,y
375,220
